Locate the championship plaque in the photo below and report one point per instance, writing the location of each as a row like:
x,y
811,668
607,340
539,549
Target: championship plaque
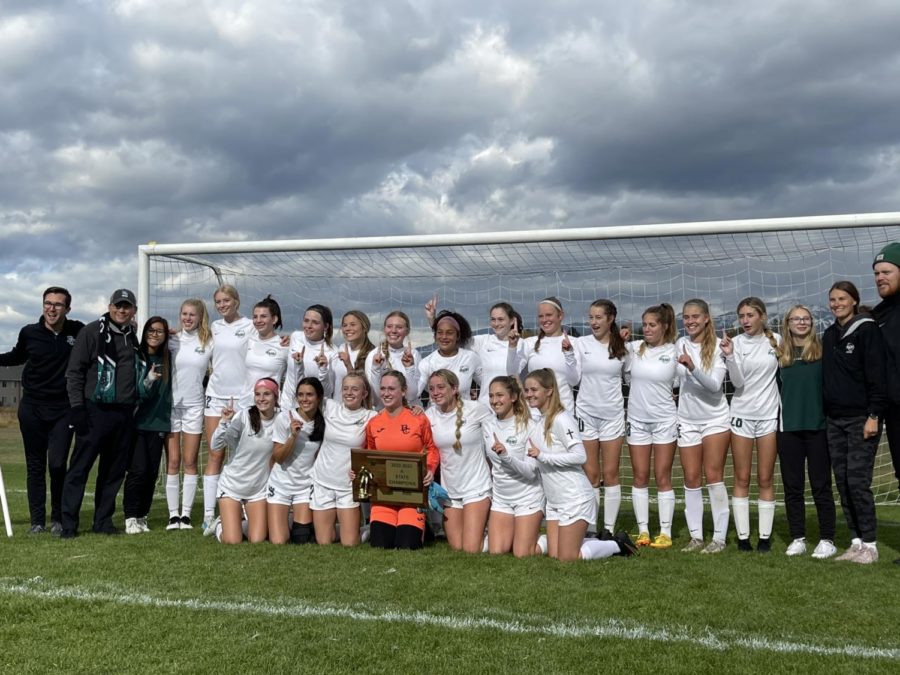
x,y
386,477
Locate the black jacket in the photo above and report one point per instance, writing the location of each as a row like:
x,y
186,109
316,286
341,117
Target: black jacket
x,y
887,316
81,376
46,356
853,364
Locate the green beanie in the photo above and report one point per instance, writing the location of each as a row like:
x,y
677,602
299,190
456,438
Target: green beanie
x,y
889,254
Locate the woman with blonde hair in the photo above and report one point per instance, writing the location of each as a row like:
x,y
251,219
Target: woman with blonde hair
x,y
191,349
703,425
394,353
551,348
802,441
752,362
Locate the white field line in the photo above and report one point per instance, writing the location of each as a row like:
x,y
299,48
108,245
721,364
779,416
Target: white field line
x,y
38,588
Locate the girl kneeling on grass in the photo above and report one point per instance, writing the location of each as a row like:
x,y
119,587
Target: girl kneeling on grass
x,y
556,445
517,498
242,485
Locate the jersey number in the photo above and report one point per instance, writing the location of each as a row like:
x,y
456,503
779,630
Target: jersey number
x,y
737,422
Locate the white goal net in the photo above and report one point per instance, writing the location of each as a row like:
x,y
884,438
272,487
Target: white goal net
x,y
783,261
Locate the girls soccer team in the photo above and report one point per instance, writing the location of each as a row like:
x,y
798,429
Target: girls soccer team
x,y
520,432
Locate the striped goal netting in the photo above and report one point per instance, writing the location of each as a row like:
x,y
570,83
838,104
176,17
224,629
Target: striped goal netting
x,y
783,261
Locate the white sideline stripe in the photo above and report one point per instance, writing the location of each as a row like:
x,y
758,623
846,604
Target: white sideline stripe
x,y
38,588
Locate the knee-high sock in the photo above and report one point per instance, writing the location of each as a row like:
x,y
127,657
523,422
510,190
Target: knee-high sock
x,y
210,485
640,502
766,516
612,500
172,485
693,511
718,504
666,502
741,508
188,492
592,549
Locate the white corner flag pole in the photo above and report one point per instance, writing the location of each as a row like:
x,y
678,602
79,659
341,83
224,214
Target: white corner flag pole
x,y
6,519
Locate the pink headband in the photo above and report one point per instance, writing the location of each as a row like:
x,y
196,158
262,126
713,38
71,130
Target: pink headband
x,y
265,382
452,321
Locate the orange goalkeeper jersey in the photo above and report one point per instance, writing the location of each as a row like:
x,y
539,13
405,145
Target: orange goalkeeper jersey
x,y
404,433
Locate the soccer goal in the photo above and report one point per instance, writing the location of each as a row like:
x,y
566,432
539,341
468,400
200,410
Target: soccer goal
x,y
784,261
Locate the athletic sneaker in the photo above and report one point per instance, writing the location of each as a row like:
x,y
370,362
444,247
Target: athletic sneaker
x,y
174,523
825,549
142,524
210,528
643,539
850,553
606,535
37,529
764,545
798,547
866,556
714,547
744,545
627,548
364,534
662,541
131,526
55,528
693,546
184,523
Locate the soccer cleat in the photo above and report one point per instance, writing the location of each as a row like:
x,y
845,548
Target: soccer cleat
x,y
850,553
142,524
764,545
184,523
744,545
55,528
37,529
174,523
662,541
210,528
797,547
825,549
866,556
627,548
131,526
643,539
714,547
693,546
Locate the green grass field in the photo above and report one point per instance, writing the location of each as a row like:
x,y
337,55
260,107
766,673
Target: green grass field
x,y
178,602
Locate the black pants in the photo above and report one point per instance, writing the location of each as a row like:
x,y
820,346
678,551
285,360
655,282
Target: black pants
x,y
382,535
110,439
892,429
799,452
143,470
853,458
46,437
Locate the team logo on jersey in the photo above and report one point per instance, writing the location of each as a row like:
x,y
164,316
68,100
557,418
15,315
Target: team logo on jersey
x,y
511,439
404,428
849,348
240,333
70,340
359,422
664,358
271,352
772,352
464,369
200,350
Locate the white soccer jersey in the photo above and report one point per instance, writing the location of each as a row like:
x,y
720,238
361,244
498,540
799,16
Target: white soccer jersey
x,y
339,369
465,364
753,367
563,364
560,462
652,376
464,472
344,429
264,358
308,368
247,471
294,474
701,396
514,475
374,373
229,350
497,359
600,390
190,362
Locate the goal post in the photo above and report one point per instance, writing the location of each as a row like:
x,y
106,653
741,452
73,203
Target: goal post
x,y
784,261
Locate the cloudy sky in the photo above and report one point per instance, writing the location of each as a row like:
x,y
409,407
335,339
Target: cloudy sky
x,y
173,121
